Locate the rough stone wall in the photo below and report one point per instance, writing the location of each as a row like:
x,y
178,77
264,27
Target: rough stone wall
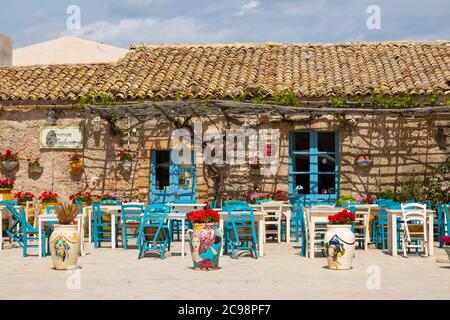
x,y
398,146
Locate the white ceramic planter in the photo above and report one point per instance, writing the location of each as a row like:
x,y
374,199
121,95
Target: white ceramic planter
x,y
9,165
339,244
64,246
126,165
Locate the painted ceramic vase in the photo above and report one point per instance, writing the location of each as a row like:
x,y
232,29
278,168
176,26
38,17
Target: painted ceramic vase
x,y
64,246
339,244
126,164
35,170
205,241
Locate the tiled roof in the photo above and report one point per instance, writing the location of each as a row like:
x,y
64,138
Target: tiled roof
x,y
223,71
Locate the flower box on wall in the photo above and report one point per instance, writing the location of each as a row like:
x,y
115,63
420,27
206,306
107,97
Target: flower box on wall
x,y
364,161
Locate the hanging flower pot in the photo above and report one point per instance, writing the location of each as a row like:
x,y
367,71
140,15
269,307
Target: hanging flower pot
x,y
339,241
363,161
205,239
34,166
126,164
76,165
9,160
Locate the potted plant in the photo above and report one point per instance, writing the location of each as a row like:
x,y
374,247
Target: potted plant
x,y
125,157
280,195
339,240
446,241
345,199
254,165
254,197
6,185
109,196
205,239
34,166
48,198
84,197
65,238
76,164
22,199
9,160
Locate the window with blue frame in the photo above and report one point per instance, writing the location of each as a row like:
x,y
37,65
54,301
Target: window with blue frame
x,y
314,163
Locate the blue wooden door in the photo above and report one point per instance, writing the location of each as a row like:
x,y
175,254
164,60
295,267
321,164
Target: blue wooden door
x,y
314,166
170,180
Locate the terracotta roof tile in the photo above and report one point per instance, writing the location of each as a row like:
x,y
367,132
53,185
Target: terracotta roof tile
x,y
222,71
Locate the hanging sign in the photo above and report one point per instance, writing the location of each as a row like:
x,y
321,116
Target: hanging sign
x,y
61,137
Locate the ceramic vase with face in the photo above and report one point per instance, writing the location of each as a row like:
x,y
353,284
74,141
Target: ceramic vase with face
x,y
64,246
339,244
205,242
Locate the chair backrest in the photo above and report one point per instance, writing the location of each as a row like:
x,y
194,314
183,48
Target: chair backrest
x,y
234,203
19,217
51,209
131,211
153,221
414,213
322,206
242,219
347,204
262,201
97,213
112,202
5,202
271,209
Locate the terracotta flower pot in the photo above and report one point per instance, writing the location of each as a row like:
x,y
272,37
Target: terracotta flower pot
x,y
339,246
205,242
64,246
76,167
5,194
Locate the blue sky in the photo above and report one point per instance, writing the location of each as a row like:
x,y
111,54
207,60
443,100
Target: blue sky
x,y
121,22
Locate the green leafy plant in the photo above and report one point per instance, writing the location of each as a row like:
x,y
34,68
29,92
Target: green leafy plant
x,y
106,98
387,194
337,103
345,199
87,99
286,98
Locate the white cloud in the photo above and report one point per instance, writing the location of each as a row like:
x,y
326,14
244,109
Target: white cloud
x,y
149,30
249,7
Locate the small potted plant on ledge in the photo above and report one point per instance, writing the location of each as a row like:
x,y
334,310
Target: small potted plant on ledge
x,y
125,157
9,160
65,238
205,239
6,185
34,166
76,164
339,240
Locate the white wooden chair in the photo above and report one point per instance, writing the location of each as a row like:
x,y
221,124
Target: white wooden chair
x,y
272,217
320,228
361,228
414,217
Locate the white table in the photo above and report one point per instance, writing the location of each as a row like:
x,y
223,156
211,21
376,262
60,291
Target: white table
x,y
45,217
286,211
259,218
2,209
392,215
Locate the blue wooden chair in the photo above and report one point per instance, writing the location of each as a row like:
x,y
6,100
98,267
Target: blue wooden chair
x,y
262,201
131,215
102,225
21,231
379,225
243,233
443,216
154,234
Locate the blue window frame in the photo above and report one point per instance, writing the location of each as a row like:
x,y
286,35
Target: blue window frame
x,y
314,165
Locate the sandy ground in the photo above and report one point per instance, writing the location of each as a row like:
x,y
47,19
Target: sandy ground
x,y
281,274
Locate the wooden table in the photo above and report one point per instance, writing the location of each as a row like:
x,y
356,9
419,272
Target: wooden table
x,y
392,215
259,219
286,211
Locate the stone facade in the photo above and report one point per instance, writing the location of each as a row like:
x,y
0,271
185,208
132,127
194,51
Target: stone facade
x,y
398,147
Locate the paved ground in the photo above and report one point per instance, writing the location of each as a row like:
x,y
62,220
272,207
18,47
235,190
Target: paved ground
x,y
281,274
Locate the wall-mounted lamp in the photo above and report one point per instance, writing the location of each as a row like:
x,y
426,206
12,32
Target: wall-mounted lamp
x,y
96,124
52,117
